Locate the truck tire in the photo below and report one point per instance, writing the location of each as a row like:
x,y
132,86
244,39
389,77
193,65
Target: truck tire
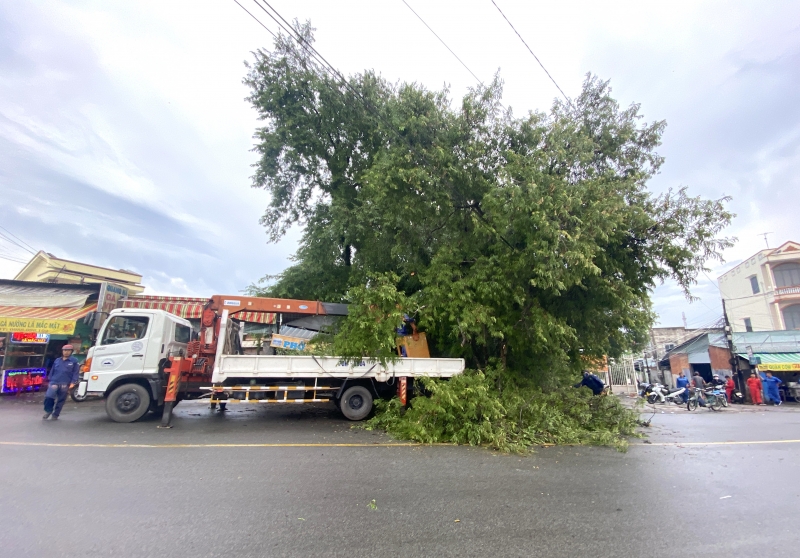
x,y
127,403
73,393
356,403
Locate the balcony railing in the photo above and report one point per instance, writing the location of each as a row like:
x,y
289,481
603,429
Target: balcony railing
x,y
784,291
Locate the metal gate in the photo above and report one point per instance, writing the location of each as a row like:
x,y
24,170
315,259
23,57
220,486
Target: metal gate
x,y
623,374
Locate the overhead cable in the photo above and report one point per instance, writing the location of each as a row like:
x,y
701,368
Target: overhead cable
x,y
258,20
531,51
442,41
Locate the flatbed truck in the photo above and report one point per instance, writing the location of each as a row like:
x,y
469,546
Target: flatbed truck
x,y
148,360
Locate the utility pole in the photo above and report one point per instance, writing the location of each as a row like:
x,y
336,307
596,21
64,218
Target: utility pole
x,y
737,373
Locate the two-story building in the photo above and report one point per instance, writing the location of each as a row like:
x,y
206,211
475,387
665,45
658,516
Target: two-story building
x,y
763,292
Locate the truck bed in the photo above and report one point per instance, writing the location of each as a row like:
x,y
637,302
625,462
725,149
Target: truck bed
x,y
278,366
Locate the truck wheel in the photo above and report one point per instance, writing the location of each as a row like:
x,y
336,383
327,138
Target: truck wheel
x,y
356,403
127,403
73,393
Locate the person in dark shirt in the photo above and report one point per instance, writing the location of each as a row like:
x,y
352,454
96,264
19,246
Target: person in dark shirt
x,y
683,382
592,382
699,383
63,377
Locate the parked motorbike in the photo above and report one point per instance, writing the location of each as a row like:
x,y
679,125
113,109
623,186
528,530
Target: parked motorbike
x,y
662,394
737,396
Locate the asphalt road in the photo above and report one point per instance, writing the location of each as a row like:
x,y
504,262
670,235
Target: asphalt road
x,y
271,481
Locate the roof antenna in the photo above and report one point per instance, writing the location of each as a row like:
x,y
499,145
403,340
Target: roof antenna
x,y
764,234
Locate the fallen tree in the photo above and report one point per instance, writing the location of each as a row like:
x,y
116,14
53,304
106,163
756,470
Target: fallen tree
x,y
526,245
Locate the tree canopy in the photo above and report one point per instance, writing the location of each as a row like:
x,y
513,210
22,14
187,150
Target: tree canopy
x,y
532,242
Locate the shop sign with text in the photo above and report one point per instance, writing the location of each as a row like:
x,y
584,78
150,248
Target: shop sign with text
x,y
37,325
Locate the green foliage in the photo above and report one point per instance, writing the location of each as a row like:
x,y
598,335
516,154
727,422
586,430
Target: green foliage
x,y
532,241
470,409
529,244
375,312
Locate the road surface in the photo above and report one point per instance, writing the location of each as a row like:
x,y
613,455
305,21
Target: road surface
x,y
299,481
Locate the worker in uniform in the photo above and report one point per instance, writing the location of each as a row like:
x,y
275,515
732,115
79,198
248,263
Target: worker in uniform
x,y
729,387
754,386
592,381
771,389
683,382
63,377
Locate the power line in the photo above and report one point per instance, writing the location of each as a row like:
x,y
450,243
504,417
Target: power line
x,y
314,54
531,51
15,243
12,259
255,18
442,41
18,238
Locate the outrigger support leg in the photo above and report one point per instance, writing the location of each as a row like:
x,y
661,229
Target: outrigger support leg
x,y
173,385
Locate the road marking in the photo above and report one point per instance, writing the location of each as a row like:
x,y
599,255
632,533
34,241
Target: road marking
x,y
719,443
56,445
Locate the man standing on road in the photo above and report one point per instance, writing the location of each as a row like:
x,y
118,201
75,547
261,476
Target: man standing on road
x,y
699,383
683,382
63,377
771,389
754,387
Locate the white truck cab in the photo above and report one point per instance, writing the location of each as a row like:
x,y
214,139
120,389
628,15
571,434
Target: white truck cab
x,y
132,347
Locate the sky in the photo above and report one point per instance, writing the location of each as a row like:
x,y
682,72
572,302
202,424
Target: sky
x,y
125,137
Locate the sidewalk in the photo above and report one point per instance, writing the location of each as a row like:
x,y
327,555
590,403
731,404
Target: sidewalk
x,y
786,407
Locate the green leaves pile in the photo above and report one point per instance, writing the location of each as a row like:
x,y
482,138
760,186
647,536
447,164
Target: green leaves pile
x,y
469,409
527,243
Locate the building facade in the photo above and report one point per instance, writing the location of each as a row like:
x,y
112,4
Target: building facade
x,y
47,268
763,292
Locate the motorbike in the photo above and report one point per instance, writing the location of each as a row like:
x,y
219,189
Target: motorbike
x,y
720,393
714,397
662,394
737,396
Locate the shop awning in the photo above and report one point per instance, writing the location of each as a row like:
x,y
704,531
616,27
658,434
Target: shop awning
x,y
184,307
44,296
189,307
777,362
57,321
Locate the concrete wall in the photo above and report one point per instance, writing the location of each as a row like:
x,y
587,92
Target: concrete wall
x,y
740,302
761,308
720,361
679,363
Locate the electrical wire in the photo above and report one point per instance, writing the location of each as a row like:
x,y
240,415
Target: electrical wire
x,y
318,58
32,249
531,51
255,18
17,244
442,41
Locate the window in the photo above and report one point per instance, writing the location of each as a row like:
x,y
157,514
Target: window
x,y
182,333
754,284
748,324
121,329
669,346
787,275
791,316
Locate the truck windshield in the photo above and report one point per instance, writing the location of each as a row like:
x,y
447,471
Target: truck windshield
x,y
124,328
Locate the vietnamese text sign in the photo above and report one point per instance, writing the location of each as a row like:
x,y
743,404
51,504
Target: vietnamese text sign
x,y
294,343
780,367
37,325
